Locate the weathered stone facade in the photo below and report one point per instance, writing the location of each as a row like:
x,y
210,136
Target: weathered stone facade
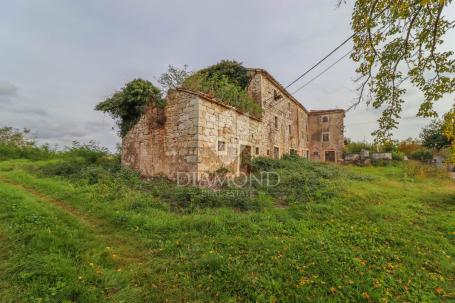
x,y
196,134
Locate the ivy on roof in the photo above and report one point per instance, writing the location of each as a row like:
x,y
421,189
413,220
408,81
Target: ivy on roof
x,y
227,81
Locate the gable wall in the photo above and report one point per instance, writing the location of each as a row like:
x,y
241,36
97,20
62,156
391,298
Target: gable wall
x,y
288,113
153,149
336,135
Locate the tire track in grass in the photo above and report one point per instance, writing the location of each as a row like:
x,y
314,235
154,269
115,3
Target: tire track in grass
x,y
127,251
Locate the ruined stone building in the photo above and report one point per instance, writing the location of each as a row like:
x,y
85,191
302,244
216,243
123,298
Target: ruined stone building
x,y
197,134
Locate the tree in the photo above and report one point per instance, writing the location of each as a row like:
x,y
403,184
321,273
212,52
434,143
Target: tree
x,y
174,77
234,72
433,136
398,41
127,105
449,130
15,137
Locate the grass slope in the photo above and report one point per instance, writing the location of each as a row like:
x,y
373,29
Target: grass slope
x,y
371,234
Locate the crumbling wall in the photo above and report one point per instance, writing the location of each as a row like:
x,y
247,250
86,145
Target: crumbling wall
x,y
164,142
222,131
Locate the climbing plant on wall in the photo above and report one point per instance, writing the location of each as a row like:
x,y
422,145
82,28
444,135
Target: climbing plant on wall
x,y
127,105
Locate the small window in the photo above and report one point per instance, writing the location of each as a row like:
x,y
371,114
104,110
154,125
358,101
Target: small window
x,y
276,122
268,152
325,119
276,96
316,153
221,146
257,150
290,130
325,137
289,106
293,152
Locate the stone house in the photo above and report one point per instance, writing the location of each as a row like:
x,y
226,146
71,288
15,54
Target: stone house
x,y
196,134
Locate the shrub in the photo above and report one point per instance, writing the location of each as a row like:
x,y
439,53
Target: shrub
x,y
91,152
357,147
226,84
14,144
422,155
398,156
299,179
232,70
127,105
421,170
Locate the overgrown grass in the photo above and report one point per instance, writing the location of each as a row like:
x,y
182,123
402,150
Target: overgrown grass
x,y
327,234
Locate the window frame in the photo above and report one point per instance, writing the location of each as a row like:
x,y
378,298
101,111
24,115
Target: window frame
x,y
223,145
328,137
325,116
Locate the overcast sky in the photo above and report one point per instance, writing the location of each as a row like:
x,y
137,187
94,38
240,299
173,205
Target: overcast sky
x,y
58,58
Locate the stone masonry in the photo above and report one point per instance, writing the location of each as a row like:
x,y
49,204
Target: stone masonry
x,y
195,134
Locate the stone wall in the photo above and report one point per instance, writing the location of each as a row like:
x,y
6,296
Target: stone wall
x,y
320,124
222,132
284,120
197,135
155,149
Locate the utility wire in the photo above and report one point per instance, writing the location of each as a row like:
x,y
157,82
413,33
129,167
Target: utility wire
x,y
314,78
320,61
323,72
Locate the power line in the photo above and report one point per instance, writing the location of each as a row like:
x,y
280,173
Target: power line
x,y
323,72
320,61
314,78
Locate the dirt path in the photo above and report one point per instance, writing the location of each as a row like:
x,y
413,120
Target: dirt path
x,y
127,249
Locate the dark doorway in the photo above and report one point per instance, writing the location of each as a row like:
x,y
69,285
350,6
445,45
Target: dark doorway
x,y
276,153
330,156
245,158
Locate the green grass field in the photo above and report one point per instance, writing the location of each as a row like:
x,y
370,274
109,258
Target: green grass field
x,y
356,234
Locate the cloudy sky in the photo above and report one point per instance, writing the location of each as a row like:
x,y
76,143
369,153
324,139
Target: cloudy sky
x,y
58,58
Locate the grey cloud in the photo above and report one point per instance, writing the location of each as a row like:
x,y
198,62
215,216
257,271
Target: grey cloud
x,y
4,100
7,89
25,111
93,52
96,125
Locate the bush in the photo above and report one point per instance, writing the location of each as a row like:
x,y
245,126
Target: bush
x,y
299,179
398,156
234,72
421,170
90,152
422,155
357,147
229,86
127,105
14,144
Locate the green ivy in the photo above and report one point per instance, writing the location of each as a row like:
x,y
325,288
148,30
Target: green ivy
x,y
228,82
127,105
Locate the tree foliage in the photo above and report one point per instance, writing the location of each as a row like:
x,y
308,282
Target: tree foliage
x,y
398,41
234,72
228,82
15,144
433,136
449,131
174,77
127,105
16,137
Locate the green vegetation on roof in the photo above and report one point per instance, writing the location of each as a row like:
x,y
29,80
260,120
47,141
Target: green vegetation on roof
x,y
227,81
